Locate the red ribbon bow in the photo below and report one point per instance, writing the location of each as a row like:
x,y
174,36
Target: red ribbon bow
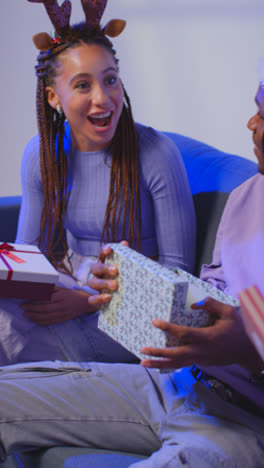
x,y
5,249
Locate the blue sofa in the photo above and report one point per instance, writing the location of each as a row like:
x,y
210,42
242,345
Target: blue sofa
x,y
212,174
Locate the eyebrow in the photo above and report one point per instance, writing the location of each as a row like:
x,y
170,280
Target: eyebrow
x,y
88,75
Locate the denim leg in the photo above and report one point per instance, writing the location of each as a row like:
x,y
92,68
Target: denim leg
x,y
206,431
128,408
79,339
89,404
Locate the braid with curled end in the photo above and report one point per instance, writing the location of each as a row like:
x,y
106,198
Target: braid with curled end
x,y
53,166
124,194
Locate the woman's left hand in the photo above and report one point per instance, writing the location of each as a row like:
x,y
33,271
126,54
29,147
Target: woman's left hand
x,y
65,304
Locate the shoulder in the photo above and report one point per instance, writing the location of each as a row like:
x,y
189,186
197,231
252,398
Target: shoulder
x,y
245,201
155,146
31,151
30,165
160,161
249,190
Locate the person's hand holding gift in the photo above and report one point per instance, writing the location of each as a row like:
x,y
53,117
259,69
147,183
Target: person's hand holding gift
x,y
224,342
104,278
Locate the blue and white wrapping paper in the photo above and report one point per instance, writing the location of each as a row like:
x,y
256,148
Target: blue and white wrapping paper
x,y
148,290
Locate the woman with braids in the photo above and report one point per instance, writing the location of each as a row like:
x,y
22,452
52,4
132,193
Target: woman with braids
x,y
91,176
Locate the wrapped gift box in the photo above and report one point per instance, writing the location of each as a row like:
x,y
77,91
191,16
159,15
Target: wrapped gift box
x,y
147,290
25,273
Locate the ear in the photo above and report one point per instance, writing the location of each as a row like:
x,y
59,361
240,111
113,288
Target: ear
x,y
42,41
114,27
52,97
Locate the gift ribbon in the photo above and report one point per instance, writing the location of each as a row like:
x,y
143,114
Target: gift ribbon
x,y
6,250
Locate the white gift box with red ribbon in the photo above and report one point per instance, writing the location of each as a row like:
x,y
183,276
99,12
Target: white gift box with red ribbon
x,y
25,273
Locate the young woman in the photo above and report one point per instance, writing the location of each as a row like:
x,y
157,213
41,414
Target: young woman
x,y
91,176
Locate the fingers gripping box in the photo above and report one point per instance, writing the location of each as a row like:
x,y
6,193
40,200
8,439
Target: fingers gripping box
x,y
148,290
25,273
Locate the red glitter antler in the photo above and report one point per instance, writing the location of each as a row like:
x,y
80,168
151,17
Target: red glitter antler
x,y
59,15
93,10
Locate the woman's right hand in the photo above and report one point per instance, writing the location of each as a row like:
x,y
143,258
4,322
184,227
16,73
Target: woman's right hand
x,y
104,278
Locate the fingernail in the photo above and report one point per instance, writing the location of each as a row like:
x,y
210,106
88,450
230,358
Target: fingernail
x,y
112,268
106,297
200,303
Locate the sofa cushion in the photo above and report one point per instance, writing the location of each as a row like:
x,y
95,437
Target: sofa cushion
x,y
96,460
77,457
12,461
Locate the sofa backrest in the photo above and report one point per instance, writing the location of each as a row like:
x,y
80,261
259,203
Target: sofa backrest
x,y
212,174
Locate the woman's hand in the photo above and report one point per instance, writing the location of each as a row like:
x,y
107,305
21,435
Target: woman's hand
x,y
65,304
104,278
225,342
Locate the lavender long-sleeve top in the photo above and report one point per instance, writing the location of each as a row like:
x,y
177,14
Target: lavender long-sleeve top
x,y
167,211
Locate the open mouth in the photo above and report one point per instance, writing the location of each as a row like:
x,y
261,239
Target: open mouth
x,y
100,120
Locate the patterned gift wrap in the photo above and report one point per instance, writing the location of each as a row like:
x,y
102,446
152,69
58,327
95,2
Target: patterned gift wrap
x,y
148,290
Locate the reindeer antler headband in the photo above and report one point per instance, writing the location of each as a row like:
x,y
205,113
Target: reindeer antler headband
x,y
60,18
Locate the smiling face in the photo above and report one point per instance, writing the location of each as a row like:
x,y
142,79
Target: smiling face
x,y
88,88
256,125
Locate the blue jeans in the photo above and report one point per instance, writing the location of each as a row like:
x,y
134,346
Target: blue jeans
x,y
178,422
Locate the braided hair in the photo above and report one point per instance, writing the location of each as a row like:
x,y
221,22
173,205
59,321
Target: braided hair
x,y
123,204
